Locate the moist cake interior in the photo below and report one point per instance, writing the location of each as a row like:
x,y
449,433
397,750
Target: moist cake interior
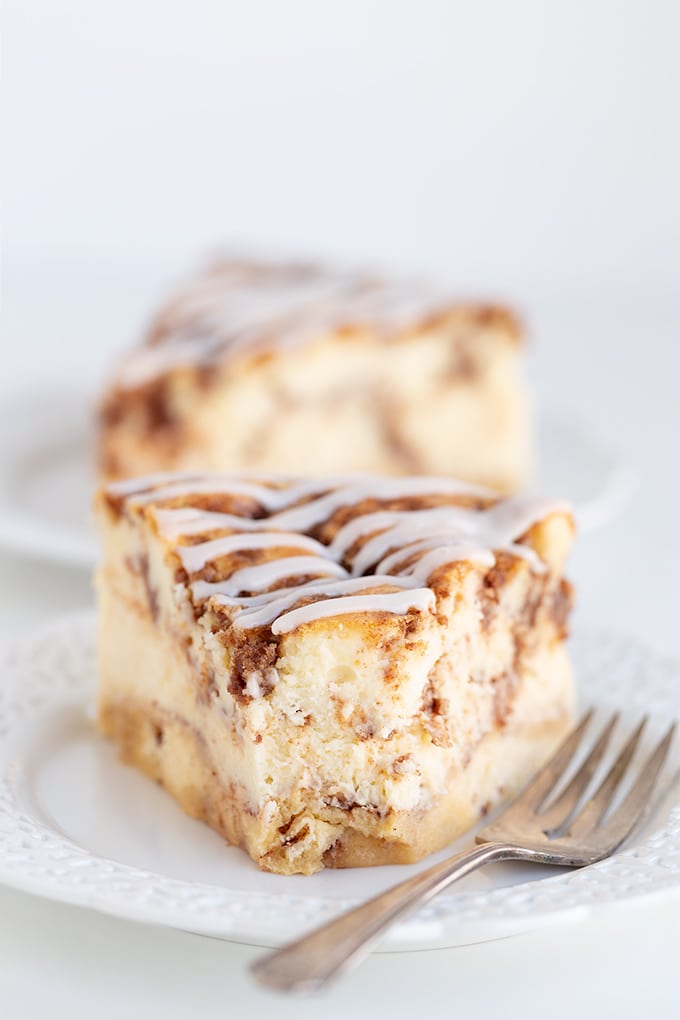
x,y
333,672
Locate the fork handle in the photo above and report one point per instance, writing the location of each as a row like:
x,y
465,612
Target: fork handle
x,y
313,961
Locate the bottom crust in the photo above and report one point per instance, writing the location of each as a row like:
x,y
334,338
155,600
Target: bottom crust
x,y
173,753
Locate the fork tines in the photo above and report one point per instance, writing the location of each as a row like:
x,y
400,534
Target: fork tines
x,y
566,815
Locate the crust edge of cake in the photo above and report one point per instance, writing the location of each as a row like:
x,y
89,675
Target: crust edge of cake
x,y
135,729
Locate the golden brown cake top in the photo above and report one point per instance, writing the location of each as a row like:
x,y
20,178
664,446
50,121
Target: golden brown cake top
x,y
235,307
279,553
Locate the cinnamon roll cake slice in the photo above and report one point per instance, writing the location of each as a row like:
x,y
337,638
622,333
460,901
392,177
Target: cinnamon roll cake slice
x,y
333,672
302,369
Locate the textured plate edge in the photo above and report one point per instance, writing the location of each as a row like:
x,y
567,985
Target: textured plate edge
x,y
419,932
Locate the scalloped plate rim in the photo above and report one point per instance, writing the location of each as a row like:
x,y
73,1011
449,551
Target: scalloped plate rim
x,y
444,923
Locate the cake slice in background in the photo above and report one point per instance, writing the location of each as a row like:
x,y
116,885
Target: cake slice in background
x,y
260,366
335,672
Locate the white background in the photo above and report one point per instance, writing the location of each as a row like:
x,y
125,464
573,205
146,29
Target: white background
x,y
529,150
513,145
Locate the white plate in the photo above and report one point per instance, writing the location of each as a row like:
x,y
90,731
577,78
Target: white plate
x,y
78,826
47,475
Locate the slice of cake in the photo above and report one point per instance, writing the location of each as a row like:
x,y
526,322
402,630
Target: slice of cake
x,y
345,671
297,369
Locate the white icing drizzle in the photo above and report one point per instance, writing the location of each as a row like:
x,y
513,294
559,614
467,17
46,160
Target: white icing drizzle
x,y
202,590
261,610
471,531
143,482
264,575
231,309
271,497
195,557
394,602
444,555
181,521
404,552
279,499
436,536
512,518
380,521
409,526
251,490
304,517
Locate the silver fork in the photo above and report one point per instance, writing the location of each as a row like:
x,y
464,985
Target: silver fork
x,y
532,828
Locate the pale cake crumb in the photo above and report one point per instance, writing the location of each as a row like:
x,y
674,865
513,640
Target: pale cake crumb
x,y
338,672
